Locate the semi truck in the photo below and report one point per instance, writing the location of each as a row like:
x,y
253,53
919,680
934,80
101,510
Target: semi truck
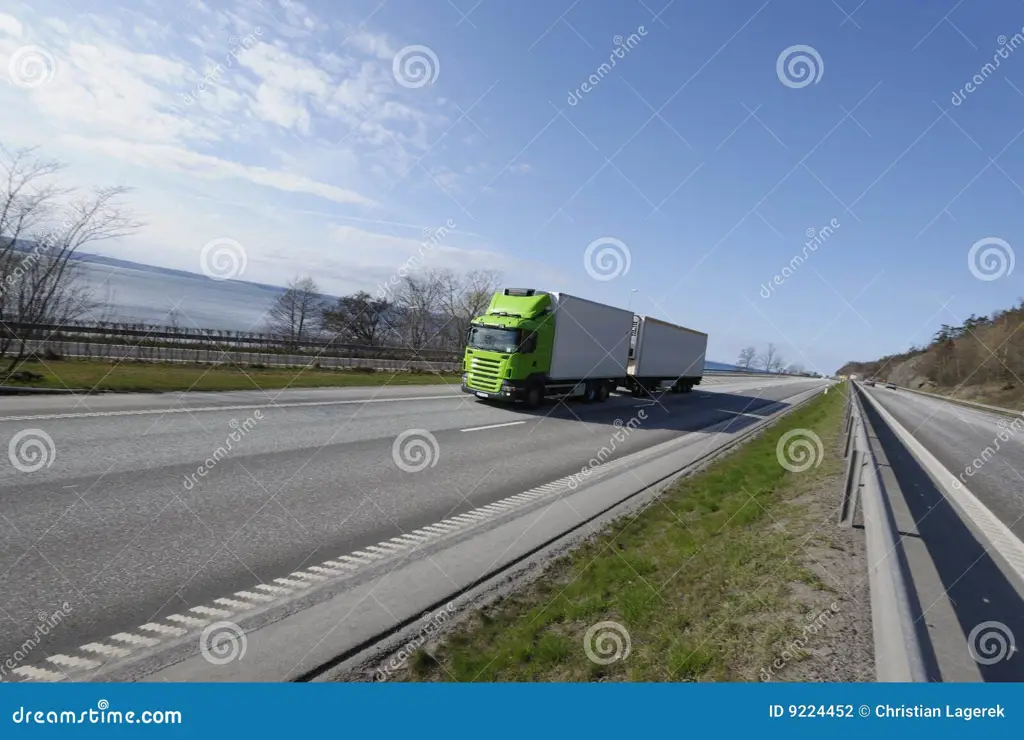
x,y
532,344
664,356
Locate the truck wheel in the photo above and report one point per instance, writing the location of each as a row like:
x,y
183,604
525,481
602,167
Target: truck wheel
x,y
602,393
533,397
687,387
589,393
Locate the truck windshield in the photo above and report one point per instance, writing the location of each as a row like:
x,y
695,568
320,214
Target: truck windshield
x,y
493,339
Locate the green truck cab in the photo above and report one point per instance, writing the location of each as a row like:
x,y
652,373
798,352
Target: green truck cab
x,y
509,346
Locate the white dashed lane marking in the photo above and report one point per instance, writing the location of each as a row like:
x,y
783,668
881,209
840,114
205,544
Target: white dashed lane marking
x,y
493,426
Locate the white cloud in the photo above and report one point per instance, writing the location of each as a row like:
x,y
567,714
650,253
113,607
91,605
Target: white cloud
x,y
212,168
10,26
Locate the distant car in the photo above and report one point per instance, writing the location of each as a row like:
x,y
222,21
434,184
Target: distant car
x,y
870,382
891,386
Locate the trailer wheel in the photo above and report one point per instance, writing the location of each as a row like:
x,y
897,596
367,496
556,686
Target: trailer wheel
x,y
686,387
602,393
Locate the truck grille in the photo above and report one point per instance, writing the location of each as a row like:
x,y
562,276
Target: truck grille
x,y
485,374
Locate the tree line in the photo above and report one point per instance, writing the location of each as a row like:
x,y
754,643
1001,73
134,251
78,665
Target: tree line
x,y
981,350
44,223
431,309
770,360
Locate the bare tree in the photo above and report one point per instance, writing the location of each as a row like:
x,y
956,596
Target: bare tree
x,y
747,357
417,309
42,226
296,315
462,299
357,318
771,360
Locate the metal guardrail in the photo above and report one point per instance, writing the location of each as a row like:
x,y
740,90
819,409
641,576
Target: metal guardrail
x,y
898,654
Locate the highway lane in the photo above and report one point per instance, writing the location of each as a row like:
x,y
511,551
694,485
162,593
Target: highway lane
x,y
958,436
122,527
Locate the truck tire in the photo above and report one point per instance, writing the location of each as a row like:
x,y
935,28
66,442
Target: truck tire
x,y
686,387
534,396
603,392
589,393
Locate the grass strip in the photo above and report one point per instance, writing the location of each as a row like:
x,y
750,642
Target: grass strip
x,y
710,581
155,376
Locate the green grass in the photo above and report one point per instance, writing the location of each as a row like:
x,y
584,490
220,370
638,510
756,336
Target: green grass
x,y
145,376
708,581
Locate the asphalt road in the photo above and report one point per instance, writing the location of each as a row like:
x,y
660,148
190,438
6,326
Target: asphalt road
x,y
115,519
958,436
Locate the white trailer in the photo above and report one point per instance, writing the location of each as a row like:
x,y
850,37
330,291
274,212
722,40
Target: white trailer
x,y
664,353
591,340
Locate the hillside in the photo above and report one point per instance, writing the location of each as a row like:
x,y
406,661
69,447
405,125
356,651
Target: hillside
x,y
981,360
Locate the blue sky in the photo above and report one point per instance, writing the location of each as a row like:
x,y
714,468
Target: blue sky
x,y
304,149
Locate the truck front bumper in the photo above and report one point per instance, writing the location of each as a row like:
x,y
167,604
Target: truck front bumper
x,y
507,392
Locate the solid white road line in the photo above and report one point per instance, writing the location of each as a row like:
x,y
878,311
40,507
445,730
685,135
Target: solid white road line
x,y
493,426
239,407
